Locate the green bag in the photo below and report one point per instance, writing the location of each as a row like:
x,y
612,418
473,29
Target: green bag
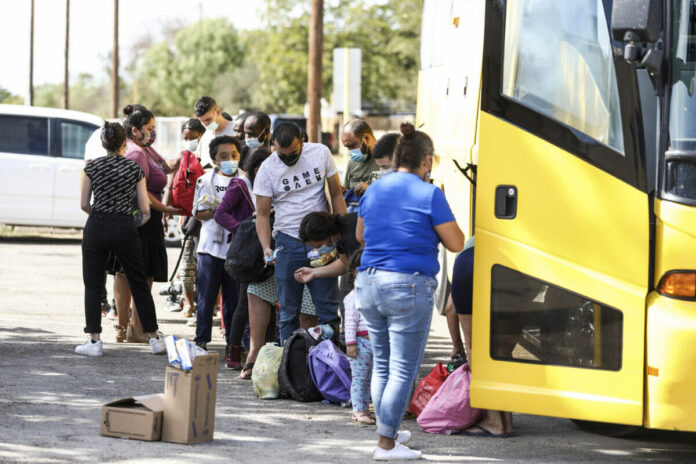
x,y
264,375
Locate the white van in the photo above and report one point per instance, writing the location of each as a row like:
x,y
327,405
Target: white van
x,y
42,153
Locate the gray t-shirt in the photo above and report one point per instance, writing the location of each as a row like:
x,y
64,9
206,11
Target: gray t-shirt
x,y
298,190
204,145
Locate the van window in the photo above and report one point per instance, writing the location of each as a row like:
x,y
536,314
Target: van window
x,y
558,61
23,135
74,136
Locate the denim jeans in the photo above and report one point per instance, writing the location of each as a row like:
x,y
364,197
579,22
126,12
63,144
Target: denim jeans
x,y
211,277
397,308
292,255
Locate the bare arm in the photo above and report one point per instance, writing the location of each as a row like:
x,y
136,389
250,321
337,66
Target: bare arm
x,y
142,196
159,206
86,194
338,204
171,166
167,197
451,236
359,229
205,214
335,269
263,223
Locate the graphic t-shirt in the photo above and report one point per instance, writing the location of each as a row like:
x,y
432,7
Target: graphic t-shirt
x,y
361,171
204,144
298,190
113,184
399,213
152,163
213,239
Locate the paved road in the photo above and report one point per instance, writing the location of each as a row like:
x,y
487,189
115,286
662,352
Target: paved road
x,y
50,398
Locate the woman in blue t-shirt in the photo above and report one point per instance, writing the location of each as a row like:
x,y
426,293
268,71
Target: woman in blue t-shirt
x,y
402,219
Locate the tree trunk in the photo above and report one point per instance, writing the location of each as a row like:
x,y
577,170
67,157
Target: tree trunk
x,y
316,45
31,56
66,85
114,66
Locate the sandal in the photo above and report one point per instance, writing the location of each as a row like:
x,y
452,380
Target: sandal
x,y
363,418
247,371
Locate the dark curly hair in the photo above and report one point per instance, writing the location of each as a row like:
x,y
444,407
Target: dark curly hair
x,y
319,225
222,139
203,105
112,136
254,160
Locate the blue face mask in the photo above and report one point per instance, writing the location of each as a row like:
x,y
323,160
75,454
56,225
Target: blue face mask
x,y
357,154
326,249
322,256
229,167
255,142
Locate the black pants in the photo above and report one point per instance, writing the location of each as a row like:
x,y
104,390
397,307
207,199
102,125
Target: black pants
x,y
241,319
115,233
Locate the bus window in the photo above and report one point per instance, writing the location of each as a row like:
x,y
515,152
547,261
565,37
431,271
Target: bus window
x,y
558,61
436,17
534,321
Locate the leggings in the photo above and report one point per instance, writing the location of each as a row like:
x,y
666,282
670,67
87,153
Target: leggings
x,y
361,368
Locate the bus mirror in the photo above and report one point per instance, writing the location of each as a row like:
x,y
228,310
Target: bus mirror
x,y
636,20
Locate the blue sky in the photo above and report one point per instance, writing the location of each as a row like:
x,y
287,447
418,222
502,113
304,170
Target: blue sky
x,y
91,33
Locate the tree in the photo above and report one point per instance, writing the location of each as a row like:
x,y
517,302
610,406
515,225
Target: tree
x,y
173,74
8,98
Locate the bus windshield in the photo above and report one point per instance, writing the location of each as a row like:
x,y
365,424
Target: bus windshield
x,y
680,159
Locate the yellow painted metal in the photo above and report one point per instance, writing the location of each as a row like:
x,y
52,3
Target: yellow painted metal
x,y
581,229
671,326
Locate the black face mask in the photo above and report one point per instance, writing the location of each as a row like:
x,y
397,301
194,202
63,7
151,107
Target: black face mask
x,y
290,160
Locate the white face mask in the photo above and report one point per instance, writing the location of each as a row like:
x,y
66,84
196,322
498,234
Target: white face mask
x,y
190,145
385,171
213,126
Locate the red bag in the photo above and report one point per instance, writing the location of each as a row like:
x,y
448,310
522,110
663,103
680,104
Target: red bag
x,y
427,387
184,183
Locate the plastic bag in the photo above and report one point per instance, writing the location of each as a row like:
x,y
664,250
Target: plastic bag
x,y
449,410
427,387
264,375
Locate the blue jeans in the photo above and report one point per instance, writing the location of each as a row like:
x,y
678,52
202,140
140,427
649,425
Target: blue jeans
x,y
291,257
212,276
398,309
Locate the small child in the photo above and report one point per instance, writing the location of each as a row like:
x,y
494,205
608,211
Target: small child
x,y
359,351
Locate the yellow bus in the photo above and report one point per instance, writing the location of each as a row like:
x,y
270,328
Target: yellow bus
x,y
565,136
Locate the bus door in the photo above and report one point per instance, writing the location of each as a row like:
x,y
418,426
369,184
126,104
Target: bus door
x,y
562,217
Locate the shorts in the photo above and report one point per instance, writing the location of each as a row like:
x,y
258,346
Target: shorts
x,y
268,292
463,281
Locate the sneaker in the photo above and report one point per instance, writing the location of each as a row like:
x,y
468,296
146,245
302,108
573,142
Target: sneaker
x,y
397,453
90,348
191,321
157,345
403,436
203,345
233,357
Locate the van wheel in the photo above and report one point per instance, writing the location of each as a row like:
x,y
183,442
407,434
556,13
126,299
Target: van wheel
x,y
443,283
611,430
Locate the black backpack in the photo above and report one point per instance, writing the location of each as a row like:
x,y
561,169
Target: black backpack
x,y
245,262
294,376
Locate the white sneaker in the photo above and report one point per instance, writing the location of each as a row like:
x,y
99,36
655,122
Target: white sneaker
x,y
157,345
398,452
403,436
90,348
191,321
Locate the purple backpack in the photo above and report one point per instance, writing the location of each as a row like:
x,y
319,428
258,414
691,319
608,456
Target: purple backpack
x,y
330,371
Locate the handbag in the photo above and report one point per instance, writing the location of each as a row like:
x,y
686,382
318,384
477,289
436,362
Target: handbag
x,y
427,387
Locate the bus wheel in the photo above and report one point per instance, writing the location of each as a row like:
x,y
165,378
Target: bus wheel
x,y
611,430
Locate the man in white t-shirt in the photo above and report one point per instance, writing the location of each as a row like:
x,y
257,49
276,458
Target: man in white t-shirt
x,y
292,180
210,115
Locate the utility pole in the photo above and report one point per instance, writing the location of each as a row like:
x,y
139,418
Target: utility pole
x,y
114,66
66,99
31,56
316,45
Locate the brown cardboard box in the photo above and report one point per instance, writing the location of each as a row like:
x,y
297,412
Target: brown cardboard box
x,y
189,401
139,418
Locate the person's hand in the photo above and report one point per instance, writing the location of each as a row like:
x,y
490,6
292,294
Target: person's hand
x,y
352,351
304,275
268,256
165,222
360,188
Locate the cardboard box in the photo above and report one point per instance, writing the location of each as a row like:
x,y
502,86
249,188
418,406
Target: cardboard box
x,y
139,418
189,401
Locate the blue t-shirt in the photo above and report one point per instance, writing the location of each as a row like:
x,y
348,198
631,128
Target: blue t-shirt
x,y
399,213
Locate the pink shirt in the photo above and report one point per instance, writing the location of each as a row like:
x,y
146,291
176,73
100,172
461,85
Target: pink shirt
x,y
355,323
151,162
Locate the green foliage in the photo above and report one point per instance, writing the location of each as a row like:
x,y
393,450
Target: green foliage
x,y
172,75
8,98
85,94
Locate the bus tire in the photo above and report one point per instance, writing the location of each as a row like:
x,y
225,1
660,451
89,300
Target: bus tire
x,y
611,430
